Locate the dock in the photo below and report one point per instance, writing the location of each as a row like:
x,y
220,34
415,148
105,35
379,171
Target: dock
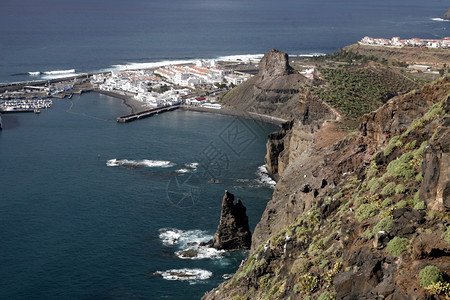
x,y
146,114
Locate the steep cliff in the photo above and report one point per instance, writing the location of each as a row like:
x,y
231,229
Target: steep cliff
x,y
360,217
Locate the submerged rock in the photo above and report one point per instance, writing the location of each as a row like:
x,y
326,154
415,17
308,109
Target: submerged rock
x,y
233,232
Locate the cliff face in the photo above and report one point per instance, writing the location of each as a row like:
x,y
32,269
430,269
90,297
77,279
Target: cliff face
x,y
360,217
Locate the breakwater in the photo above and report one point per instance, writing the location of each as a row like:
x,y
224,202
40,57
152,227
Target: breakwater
x,y
145,114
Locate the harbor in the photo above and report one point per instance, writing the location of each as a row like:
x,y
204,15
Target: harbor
x,y
145,114
24,105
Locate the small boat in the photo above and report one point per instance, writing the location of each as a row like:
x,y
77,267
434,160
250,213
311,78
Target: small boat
x,y
37,111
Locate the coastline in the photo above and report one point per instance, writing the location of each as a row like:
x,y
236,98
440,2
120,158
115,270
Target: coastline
x,y
137,106
242,114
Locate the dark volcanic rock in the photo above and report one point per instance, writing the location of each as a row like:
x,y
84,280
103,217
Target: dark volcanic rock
x,y
275,63
233,232
447,14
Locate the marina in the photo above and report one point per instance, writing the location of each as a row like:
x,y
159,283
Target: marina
x,y
24,105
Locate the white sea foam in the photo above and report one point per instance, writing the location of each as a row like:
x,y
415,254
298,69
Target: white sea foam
x,y
440,20
241,57
193,165
57,72
191,275
183,238
188,243
34,73
152,65
139,163
201,252
264,177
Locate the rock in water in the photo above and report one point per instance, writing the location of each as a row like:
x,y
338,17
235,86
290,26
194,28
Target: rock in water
x,y
233,232
447,14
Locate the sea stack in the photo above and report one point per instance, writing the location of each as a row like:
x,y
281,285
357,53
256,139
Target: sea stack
x,y
233,232
447,14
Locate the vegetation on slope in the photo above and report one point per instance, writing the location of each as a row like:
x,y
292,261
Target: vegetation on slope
x,y
361,219
357,90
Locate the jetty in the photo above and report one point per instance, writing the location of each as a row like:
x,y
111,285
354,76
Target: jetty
x,y
146,114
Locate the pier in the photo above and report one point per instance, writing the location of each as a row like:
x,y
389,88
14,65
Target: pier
x,y
145,114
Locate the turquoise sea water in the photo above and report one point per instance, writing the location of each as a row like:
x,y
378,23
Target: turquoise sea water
x,y
85,199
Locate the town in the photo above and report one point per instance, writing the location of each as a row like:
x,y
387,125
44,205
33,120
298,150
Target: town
x,y
414,42
194,84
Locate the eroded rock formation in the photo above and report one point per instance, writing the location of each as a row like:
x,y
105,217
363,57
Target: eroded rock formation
x,y
233,232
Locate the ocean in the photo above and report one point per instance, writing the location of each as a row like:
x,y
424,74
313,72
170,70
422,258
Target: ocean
x,y
50,37
94,209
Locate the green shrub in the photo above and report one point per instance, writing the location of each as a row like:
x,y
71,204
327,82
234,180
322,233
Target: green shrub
x,y
401,204
393,143
399,189
325,296
373,169
375,184
401,167
439,287
430,274
308,283
386,202
389,189
384,224
420,205
397,246
338,195
446,234
296,288
419,177
365,211
411,146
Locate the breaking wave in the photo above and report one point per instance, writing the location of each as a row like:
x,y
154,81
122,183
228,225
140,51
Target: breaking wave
x,y
57,72
188,243
191,167
34,73
440,20
139,163
191,275
264,178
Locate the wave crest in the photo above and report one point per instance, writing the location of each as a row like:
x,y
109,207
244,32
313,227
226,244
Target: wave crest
x,y
139,163
264,177
189,243
191,275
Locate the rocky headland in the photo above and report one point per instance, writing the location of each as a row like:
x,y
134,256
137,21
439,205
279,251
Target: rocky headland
x,y
359,212
447,14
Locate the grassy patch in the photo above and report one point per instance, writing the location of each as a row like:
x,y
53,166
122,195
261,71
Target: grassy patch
x,y
397,246
365,211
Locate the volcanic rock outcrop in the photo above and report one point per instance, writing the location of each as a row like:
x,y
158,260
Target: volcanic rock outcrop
x,y
233,232
273,91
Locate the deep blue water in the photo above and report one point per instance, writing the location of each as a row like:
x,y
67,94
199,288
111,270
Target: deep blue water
x,y
83,199
86,35
73,227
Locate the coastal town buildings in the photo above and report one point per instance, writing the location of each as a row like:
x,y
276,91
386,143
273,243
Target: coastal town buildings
x,y
170,85
414,42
